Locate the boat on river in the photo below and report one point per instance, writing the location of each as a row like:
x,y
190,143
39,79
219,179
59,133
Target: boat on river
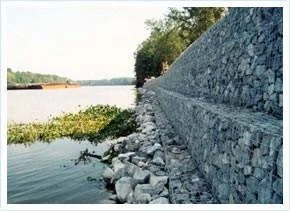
x,y
43,86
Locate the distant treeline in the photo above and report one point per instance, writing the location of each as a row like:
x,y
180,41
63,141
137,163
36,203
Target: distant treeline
x,y
108,82
18,77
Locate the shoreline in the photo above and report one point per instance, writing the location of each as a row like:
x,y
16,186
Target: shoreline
x,y
152,164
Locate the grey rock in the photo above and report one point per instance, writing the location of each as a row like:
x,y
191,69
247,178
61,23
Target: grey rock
x,y
279,163
136,159
108,174
164,193
154,180
223,191
126,156
160,200
247,170
158,161
123,188
102,148
142,198
144,188
141,176
151,149
250,49
113,197
278,186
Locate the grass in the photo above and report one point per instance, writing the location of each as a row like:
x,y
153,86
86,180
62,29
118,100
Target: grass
x,y
94,123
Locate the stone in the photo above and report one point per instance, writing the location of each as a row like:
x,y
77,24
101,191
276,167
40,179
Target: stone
x,y
259,173
256,159
279,163
151,149
113,197
136,159
247,170
160,200
117,147
158,161
278,186
223,191
123,188
130,198
126,156
260,69
250,49
102,149
144,188
141,164
141,176
142,198
108,174
154,180
164,193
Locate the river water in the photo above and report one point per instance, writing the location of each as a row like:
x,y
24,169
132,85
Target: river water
x,y
46,173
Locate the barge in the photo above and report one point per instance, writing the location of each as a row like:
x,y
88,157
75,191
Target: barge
x,y
43,86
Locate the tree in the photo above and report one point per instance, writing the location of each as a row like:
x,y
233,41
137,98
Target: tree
x,y
169,37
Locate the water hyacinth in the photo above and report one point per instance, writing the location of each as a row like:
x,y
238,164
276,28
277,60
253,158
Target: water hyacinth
x,y
94,123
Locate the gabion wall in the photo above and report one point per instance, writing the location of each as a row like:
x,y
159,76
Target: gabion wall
x,y
224,97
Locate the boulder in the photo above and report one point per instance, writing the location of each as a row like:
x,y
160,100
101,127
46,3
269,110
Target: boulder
x,y
158,161
151,149
142,198
141,176
102,149
154,180
123,188
108,174
126,156
160,200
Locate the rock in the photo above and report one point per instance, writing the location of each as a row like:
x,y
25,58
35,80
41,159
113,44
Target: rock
x,y
154,180
136,159
123,188
113,197
108,174
164,193
142,198
117,164
102,149
141,176
144,188
160,200
158,161
250,49
126,156
247,170
117,147
130,198
151,149
141,164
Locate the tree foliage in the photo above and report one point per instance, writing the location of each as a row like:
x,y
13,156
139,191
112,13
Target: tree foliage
x,y
29,77
169,37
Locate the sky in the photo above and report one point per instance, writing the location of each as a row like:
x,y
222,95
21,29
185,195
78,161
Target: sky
x,y
84,42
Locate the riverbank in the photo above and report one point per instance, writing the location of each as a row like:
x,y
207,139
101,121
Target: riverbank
x,y
153,165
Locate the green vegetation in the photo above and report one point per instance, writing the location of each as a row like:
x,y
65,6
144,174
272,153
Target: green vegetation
x,y
94,123
169,37
29,77
108,82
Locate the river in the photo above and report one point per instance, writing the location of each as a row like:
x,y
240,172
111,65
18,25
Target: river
x,y
47,173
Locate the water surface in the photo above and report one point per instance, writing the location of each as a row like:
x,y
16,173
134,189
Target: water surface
x,y
45,173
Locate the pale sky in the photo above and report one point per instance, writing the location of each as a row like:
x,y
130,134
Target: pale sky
x,y
84,42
